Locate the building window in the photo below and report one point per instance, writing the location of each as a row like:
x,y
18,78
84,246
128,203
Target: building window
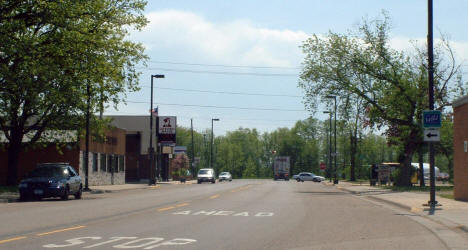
x,y
103,162
110,159
121,163
95,162
116,163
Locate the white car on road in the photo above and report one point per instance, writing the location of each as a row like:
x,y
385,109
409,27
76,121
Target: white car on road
x,y
225,176
307,176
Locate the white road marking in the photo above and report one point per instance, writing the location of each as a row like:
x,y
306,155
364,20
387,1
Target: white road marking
x,y
72,242
131,244
134,243
174,242
224,213
114,239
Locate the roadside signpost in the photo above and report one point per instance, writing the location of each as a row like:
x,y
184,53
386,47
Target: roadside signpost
x,y
431,135
432,121
323,165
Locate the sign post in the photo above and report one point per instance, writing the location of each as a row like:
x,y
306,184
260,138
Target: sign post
x,y
323,165
432,121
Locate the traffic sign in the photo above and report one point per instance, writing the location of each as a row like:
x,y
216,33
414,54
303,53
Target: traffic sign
x,y
432,119
431,135
322,165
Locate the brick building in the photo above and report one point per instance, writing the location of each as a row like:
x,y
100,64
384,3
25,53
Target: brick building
x,y
460,148
106,158
137,144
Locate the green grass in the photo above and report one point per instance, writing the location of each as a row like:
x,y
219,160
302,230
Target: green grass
x,y
8,189
417,188
448,196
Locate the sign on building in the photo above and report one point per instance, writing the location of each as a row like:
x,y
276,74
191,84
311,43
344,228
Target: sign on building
x,y
167,129
180,150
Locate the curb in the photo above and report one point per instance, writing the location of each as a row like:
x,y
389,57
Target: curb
x,y
8,200
447,223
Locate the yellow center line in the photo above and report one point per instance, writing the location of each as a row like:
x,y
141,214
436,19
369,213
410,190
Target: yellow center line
x,y
165,208
61,230
12,239
214,196
182,205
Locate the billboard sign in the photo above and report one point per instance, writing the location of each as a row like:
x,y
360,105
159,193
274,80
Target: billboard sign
x,y
167,129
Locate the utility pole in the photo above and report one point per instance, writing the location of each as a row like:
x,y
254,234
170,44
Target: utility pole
x,y
86,163
430,57
329,145
193,150
335,179
212,142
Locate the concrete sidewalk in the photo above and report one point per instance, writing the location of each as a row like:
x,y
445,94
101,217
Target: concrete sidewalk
x,y
131,186
13,196
451,213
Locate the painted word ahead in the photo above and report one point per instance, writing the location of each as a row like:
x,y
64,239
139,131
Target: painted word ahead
x,y
224,213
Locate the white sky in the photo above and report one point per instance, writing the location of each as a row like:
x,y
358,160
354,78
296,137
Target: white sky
x,y
196,45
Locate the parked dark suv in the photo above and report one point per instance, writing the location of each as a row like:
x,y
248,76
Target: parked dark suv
x,y
51,180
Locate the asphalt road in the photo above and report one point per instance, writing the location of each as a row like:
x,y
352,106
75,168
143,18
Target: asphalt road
x,y
242,214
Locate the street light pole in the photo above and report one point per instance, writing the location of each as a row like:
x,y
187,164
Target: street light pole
x,y
329,143
335,179
151,179
211,146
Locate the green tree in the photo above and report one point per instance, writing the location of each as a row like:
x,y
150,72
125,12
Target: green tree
x,y
56,55
250,169
445,146
392,84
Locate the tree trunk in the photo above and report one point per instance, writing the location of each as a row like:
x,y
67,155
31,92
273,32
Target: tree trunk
x,y
405,159
14,148
353,156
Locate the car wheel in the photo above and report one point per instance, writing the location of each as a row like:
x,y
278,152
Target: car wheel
x,y
66,193
198,182
23,197
298,180
302,180
230,180
213,181
79,193
287,179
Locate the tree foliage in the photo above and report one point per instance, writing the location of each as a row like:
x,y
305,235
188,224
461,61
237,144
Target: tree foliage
x,y
392,84
55,56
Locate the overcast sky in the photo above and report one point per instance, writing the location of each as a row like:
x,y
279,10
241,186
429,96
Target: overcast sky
x,y
239,60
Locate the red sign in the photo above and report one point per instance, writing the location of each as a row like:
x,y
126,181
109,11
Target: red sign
x,y
323,165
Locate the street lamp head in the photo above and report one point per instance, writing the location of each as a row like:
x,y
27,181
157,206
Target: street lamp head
x,y
326,112
157,76
215,119
331,96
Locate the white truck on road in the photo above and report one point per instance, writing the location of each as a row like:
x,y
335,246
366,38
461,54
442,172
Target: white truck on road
x,y
281,168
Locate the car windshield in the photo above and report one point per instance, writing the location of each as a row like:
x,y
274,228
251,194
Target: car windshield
x,y
224,173
49,171
204,171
